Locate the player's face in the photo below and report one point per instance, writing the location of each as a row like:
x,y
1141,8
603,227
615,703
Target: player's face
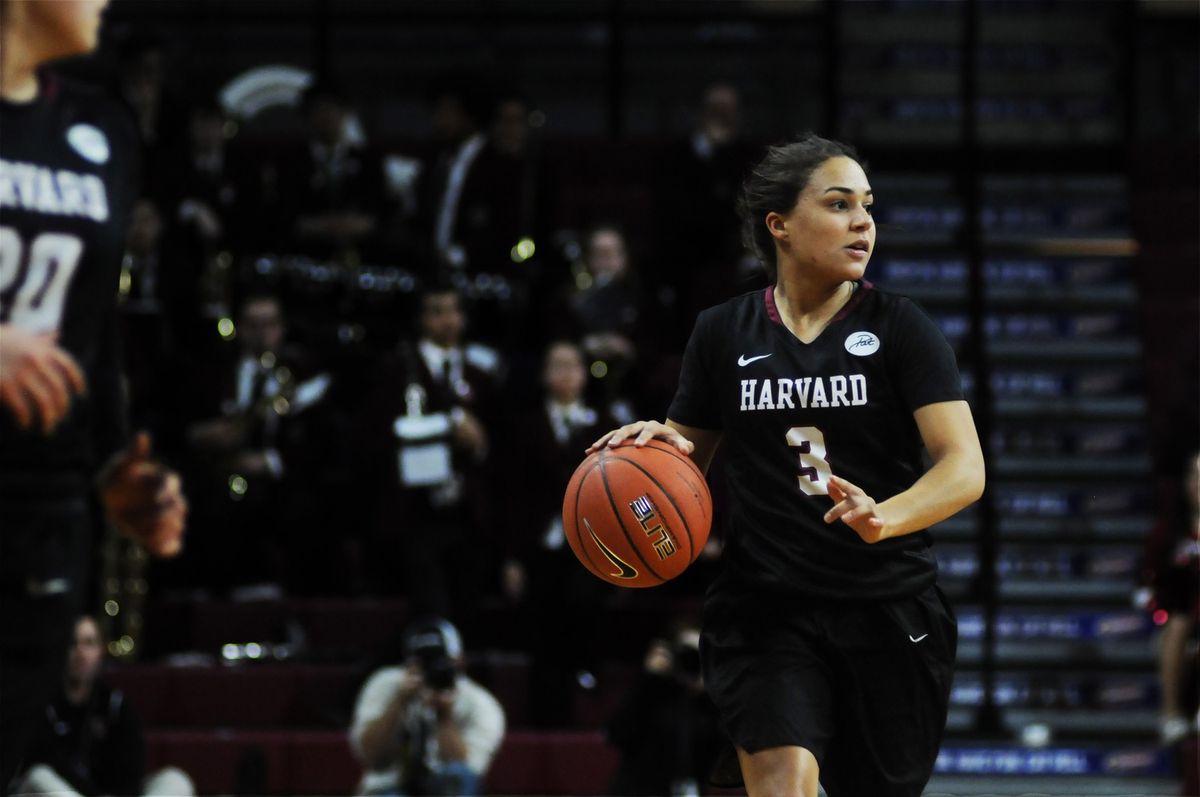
x,y
564,375
442,319
829,233
86,653
71,27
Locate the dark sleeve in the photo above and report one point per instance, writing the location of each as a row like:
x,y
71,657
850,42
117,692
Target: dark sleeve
x,y
924,367
696,399
123,765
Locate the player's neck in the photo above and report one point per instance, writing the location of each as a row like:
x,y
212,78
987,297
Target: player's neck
x,y
18,67
806,309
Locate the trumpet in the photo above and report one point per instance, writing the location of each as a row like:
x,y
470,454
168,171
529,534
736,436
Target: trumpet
x,y
259,419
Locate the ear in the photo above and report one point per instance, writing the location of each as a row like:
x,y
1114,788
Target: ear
x,y
777,226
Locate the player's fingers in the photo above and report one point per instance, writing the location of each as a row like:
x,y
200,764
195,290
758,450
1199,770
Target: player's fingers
x,y
856,513
41,396
875,522
596,446
683,444
14,399
620,435
836,493
652,430
66,365
839,509
171,490
55,387
166,540
849,488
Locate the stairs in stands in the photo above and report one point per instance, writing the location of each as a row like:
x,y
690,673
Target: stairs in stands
x,y
1070,474
1070,479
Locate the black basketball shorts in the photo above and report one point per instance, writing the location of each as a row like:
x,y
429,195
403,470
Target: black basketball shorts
x,y
863,685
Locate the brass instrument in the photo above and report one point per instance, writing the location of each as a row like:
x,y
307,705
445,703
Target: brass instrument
x,y
264,413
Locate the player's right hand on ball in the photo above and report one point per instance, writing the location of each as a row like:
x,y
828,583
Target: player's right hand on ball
x,y
641,432
38,379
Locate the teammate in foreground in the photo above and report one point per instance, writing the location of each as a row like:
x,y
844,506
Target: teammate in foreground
x,y
827,646
66,184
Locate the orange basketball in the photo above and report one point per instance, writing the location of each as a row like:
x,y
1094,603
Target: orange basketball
x,y
637,517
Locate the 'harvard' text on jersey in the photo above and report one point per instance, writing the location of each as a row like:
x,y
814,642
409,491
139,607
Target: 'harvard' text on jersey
x,y
841,390
61,192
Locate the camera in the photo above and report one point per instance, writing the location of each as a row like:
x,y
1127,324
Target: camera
x,y
434,645
437,669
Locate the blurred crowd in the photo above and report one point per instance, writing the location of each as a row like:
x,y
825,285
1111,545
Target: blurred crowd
x,y
375,367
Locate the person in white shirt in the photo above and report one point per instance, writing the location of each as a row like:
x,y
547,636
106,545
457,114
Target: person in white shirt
x,y
424,727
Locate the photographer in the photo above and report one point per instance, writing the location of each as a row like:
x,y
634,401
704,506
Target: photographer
x,y
666,728
425,728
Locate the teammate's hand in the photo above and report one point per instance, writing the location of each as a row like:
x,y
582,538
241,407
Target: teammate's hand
x,y
144,499
38,379
643,432
856,509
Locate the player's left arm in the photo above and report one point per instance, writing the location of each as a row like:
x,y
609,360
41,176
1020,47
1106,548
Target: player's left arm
x,y
954,482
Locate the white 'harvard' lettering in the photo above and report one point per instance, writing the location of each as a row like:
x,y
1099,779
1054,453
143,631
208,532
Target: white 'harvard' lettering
x,y
61,193
803,393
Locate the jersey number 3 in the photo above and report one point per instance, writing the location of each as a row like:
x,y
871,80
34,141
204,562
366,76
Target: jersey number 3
x,y
814,467
34,279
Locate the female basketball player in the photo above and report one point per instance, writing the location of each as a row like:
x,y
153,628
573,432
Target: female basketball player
x,y
66,182
827,647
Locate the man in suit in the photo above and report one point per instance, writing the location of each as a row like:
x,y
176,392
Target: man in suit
x,y
427,426
258,436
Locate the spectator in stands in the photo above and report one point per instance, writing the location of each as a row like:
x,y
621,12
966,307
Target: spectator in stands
x,y
502,217
666,727
459,112
144,336
506,194
333,189
1173,562
696,188
256,443
424,727
611,316
426,430
212,215
541,574
142,82
90,742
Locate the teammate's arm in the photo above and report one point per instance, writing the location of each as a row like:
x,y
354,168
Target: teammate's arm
x,y
699,444
954,482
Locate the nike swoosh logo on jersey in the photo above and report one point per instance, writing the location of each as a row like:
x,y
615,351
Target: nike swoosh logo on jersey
x,y
911,638
623,569
744,360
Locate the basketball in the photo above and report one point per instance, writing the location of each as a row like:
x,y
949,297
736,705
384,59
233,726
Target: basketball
x,y
637,517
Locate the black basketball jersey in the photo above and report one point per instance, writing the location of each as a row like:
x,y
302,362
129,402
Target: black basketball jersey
x,y
67,172
792,413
